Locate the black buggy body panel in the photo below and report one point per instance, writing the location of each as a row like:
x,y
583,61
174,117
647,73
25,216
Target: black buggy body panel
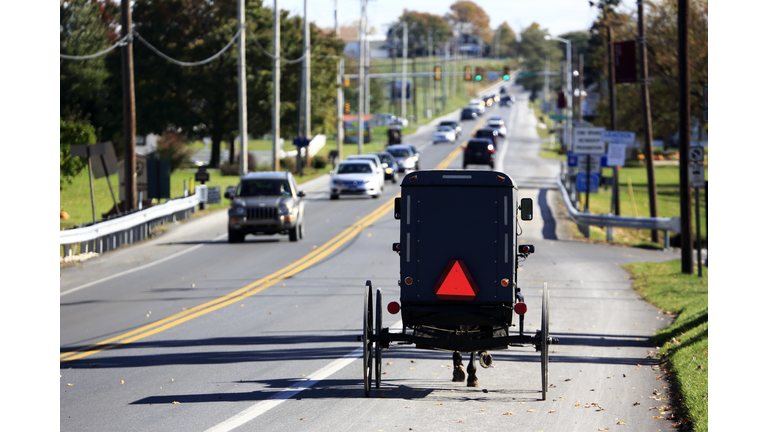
x,y
450,216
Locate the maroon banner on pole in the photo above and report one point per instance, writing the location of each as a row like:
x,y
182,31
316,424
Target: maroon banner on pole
x,y
625,62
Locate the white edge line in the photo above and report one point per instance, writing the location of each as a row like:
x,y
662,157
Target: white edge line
x,y
70,291
260,408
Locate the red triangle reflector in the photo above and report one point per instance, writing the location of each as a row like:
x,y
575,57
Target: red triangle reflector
x,y
456,283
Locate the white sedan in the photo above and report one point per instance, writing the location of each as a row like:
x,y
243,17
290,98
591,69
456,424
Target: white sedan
x,y
355,177
497,124
443,134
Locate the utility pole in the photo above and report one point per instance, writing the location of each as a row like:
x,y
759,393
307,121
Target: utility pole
x,y
431,103
367,69
336,17
241,97
647,121
546,84
403,111
446,66
614,126
129,108
361,78
339,110
276,90
307,81
581,85
686,225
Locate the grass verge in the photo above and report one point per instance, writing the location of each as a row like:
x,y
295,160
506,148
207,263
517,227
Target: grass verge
x,y
684,345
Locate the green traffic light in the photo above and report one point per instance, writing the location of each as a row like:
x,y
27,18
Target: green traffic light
x,y
478,78
506,77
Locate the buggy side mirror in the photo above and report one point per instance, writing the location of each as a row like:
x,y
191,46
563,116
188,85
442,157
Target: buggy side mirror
x,y
397,208
526,209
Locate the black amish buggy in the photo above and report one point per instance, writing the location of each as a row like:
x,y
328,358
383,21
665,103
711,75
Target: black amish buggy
x,y
394,134
459,258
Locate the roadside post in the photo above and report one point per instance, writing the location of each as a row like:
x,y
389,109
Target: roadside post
x,y
697,179
588,142
617,142
202,176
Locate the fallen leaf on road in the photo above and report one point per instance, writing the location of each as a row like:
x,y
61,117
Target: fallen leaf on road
x,y
508,413
621,423
303,418
531,410
174,403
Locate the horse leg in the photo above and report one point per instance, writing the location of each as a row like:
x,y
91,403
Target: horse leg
x,y
458,368
472,379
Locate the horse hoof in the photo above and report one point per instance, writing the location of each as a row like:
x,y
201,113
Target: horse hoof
x,y
473,382
485,360
458,374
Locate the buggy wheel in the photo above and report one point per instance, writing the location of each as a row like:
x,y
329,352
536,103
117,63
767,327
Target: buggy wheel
x,y
367,336
377,347
544,334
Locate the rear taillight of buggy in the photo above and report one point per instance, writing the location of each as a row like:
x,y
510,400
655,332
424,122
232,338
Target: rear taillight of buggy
x,y
521,308
393,308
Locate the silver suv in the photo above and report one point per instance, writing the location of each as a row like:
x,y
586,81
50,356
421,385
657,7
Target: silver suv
x,y
266,203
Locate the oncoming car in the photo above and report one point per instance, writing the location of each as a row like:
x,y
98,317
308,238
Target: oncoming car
x,y
444,134
405,157
390,166
266,203
355,177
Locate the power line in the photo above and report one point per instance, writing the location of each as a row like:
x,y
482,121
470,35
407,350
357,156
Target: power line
x,y
120,42
187,64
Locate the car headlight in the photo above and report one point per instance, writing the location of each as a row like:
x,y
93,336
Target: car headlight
x,y
239,210
283,209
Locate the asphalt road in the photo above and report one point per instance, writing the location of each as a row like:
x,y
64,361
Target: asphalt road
x,y
187,332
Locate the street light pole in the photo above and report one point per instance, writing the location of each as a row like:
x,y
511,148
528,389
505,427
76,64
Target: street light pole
x,y
569,89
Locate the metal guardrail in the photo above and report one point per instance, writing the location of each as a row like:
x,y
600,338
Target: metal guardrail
x,y
110,234
664,224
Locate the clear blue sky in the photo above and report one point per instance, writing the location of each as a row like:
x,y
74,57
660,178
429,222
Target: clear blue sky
x,y
557,16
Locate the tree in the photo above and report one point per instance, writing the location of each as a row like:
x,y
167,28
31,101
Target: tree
x,y
466,17
72,133
535,51
82,82
507,41
420,25
661,31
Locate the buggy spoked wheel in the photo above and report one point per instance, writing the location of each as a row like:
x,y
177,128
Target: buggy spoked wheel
x,y
377,345
544,334
367,338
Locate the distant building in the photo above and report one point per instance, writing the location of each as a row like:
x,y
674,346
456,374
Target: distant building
x,y
377,43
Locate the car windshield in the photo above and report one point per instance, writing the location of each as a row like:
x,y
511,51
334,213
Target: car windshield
x,y
354,169
399,152
484,133
387,159
262,187
444,129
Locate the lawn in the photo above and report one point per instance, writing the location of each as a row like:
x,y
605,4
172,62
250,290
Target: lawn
x,y
685,344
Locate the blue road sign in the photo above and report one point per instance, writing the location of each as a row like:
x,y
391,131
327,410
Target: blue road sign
x,y
573,160
581,182
301,142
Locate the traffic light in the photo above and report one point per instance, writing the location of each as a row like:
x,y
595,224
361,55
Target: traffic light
x,y
478,74
467,73
346,82
346,108
506,73
438,69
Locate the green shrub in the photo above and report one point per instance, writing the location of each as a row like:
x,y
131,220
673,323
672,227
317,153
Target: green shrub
x,y
171,146
228,169
288,164
319,162
72,133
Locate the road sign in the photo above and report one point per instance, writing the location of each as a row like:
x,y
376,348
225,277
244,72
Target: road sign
x,y
696,174
588,141
558,117
594,164
573,160
696,154
617,154
618,137
581,182
301,142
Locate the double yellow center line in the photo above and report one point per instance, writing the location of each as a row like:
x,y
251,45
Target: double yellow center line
x,y
247,291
